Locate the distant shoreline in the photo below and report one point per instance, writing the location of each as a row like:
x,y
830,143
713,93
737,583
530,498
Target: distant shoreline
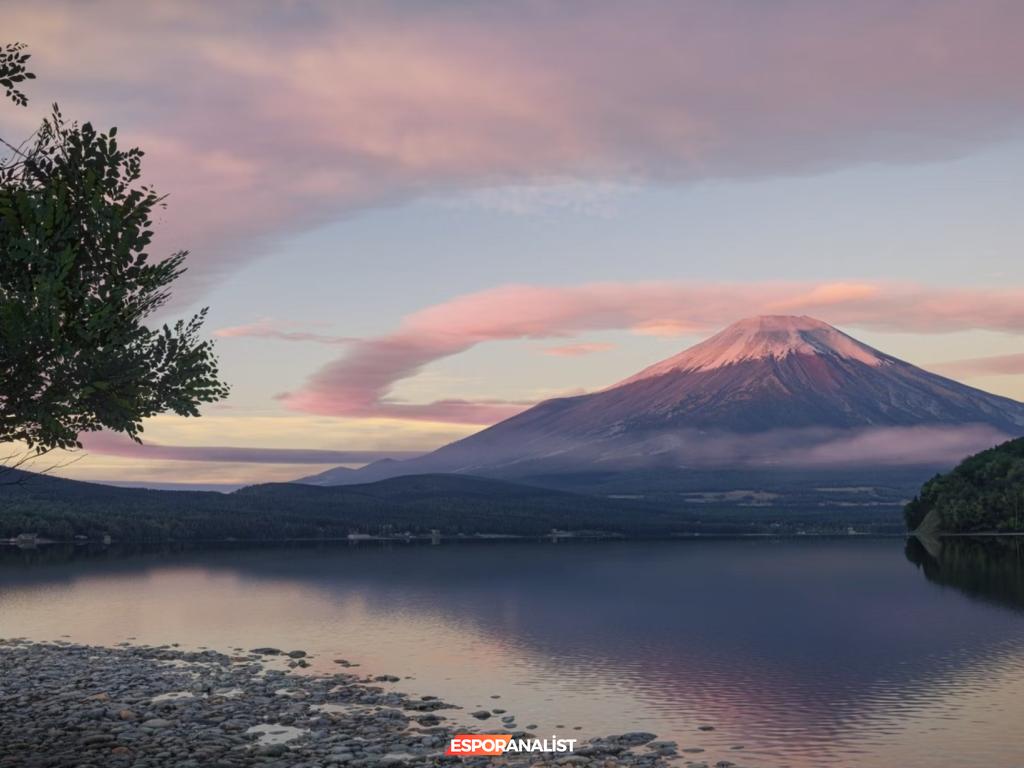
x,y
476,539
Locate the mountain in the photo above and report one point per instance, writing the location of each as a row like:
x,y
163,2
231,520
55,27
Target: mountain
x,y
379,469
766,391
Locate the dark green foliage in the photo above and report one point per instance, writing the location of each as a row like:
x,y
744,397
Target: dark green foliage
x,y
455,504
13,63
984,493
76,288
60,509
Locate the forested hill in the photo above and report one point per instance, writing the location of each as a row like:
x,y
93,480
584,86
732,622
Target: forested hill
x,y
62,509
984,493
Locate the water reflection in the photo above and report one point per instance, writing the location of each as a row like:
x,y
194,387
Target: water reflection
x,y
985,567
805,652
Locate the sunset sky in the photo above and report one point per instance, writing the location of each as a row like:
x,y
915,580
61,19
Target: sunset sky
x,y
411,220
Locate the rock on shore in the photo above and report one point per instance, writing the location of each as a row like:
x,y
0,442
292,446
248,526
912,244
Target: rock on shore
x,y
64,705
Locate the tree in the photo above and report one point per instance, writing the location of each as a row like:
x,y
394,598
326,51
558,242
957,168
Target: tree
x,y
77,287
13,70
983,493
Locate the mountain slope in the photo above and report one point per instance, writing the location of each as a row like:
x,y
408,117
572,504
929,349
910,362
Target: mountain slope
x,y
773,389
770,373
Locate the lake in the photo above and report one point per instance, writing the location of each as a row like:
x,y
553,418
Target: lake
x,y
799,652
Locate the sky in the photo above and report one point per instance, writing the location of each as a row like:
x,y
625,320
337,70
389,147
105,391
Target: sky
x,y
410,221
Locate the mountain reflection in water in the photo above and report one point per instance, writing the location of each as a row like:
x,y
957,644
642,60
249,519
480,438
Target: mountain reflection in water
x,y
805,652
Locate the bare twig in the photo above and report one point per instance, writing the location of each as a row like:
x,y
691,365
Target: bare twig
x,y
18,461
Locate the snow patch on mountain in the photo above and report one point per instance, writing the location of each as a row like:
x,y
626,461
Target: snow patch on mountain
x,y
764,337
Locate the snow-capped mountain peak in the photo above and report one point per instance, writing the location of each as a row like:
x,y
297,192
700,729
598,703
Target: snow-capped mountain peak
x,y
763,337
766,390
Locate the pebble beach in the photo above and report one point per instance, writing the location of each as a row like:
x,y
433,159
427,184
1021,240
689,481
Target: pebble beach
x,y
66,705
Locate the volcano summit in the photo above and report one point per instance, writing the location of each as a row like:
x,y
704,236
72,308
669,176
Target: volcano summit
x,y
766,391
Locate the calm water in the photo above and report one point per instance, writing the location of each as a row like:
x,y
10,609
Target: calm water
x,y
805,653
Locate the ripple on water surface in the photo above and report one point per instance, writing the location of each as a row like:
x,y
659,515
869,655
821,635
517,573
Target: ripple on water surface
x,y
800,652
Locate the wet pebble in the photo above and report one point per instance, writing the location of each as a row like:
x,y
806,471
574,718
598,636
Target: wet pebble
x,y
161,707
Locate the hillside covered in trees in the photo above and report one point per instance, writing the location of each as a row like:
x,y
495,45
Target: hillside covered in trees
x,y
62,510
984,493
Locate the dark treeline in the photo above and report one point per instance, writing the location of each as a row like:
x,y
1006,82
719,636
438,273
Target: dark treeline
x,y
60,509
985,492
453,504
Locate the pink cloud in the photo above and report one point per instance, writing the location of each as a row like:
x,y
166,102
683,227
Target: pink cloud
x,y
577,350
266,329
663,327
359,383
287,115
110,444
982,366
